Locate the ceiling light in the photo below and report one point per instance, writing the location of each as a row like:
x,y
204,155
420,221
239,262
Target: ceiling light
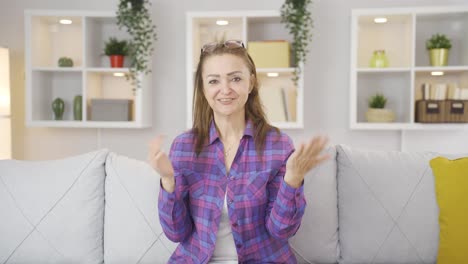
x,y
222,22
437,73
119,74
272,74
380,20
65,21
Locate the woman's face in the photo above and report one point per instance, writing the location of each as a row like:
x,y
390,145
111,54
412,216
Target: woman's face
x,y
226,84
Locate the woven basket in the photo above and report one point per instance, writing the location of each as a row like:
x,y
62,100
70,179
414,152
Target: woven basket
x,y
378,115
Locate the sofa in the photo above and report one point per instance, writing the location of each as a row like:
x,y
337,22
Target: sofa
x,y
363,206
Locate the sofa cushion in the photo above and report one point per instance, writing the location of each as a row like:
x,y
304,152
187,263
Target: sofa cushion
x,y
451,183
316,241
52,211
132,231
387,207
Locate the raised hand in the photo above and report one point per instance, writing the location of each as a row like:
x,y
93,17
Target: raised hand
x,y
305,158
161,163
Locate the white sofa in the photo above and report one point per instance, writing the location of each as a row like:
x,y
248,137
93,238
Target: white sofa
x,y
101,207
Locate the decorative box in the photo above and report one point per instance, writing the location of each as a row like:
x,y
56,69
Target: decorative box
x,y
430,111
456,111
111,109
270,54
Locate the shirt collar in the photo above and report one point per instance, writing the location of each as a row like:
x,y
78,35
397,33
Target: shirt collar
x,y
248,131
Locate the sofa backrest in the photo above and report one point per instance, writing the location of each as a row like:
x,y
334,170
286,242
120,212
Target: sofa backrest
x,y
132,232
52,211
387,207
316,241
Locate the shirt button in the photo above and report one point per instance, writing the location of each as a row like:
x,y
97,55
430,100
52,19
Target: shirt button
x,y
230,201
234,225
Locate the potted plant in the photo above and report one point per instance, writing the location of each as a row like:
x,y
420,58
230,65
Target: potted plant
x,y
438,46
135,17
65,62
116,50
298,20
377,111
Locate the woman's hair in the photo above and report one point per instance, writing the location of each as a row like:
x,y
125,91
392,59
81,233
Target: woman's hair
x,y
203,114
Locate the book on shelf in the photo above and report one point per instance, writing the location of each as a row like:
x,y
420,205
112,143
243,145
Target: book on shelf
x,y
273,102
290,102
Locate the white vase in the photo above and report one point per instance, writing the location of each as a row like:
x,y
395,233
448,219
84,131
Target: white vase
x,y
380,115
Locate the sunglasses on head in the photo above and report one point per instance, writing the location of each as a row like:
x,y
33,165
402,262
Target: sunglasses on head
x,y
230,44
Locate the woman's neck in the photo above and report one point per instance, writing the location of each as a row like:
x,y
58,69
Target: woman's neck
x,y
230,127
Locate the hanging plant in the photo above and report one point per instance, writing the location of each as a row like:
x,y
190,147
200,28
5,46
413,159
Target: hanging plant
x,y
135,17
298,20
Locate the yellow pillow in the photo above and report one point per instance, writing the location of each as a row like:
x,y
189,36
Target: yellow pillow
x,y
451,185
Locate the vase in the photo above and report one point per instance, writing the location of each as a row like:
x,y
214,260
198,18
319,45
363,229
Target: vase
x,y
78,107
116,61
379,59
439,57
380,115
58,106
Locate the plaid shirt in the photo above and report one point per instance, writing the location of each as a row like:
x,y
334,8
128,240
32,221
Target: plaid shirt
x,y
264,211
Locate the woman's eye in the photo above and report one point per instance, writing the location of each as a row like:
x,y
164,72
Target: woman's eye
x,y
213,81
236,79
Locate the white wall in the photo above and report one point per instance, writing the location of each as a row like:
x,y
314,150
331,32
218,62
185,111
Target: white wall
x,y
326,90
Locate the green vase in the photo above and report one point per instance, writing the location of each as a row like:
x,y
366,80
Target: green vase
x,y
379,59
58,106
439,57
78,107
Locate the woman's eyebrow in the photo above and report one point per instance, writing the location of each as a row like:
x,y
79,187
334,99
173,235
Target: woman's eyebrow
x,y
229,74
234,72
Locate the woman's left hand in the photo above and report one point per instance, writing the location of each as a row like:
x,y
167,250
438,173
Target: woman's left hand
x,y
304,159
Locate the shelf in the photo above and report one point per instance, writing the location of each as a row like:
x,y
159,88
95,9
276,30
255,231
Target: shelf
x,y
443,69
394,85
106,69
453,24
49,85
206,30
403,38
87,124
91,75
53,40
98,30
279,98
380,70
394,37
57,69
409,126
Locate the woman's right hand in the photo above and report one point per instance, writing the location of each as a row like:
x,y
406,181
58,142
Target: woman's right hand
x,y
161,163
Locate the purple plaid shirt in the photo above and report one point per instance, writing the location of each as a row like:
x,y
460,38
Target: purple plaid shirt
x,y
264,211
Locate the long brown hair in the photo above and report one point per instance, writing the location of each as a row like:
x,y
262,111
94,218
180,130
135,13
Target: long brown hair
x,y
203,114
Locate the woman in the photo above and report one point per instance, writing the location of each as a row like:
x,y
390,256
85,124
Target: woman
x,y
232,185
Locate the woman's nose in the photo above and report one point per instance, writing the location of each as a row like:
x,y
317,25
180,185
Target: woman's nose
x,y
225,89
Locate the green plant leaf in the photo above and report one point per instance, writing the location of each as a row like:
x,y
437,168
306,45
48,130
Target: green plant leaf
x,y
298,20
135,17
377,101
438,41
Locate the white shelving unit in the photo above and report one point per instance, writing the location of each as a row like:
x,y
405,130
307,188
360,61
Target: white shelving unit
x,y
283,95
46,40
403,37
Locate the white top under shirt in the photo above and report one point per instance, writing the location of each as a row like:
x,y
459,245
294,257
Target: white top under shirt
x,y
225,249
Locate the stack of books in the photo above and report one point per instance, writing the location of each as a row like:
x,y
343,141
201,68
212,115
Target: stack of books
x,y
443,91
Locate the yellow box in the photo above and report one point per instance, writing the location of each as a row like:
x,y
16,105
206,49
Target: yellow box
x,y
269,54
